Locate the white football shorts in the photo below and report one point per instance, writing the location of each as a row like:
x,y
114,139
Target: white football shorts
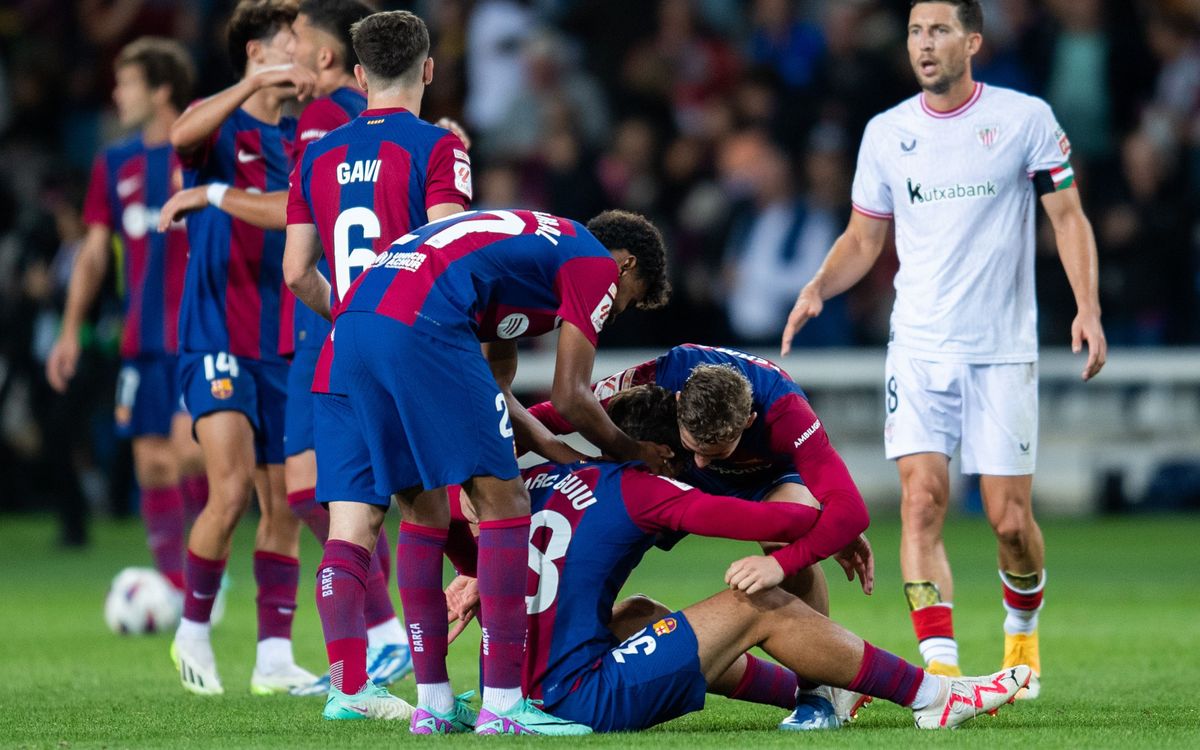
x,y
991,409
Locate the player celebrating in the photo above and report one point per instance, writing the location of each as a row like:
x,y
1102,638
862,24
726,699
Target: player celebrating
x,y
957,168
230,370
417,314
130,181
591,525
350,195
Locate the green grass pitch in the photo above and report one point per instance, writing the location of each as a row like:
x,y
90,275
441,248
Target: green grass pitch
x,y
1120,641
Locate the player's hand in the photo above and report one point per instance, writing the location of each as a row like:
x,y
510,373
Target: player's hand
x,y
454,127
1086,327
856,558
808,306
462,603
180,205
295,80
658,457
60,365
755,573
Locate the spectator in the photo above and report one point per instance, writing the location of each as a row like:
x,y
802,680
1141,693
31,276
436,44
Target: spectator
x,y
557,96
782,235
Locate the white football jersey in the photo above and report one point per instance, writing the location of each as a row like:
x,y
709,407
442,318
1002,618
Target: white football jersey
x,y
959,186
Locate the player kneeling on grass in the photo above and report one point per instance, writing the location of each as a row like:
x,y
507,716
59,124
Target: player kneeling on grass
x,y
591,524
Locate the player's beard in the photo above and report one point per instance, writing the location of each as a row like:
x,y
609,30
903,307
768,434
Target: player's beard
x,y
943,83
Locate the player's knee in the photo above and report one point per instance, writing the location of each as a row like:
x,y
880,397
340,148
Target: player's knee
x,y
157,469
229,497
641,607
1012,529
923,507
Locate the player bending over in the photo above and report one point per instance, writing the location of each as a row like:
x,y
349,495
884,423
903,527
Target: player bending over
x,y
591,525
754,435
407,353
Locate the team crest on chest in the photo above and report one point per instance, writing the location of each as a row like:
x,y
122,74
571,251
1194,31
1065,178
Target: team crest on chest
x,y
988,135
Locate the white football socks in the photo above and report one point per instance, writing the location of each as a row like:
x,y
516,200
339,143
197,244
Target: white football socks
x,y
274,655
436,696
500,699
928,692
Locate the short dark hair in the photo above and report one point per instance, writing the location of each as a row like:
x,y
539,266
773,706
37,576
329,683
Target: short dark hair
x,y
336,17
625,230
255,20
164,62
715,403
648,412
391,45
970,13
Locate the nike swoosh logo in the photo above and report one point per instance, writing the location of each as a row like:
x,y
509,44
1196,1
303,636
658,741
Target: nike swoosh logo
x,y
198,595
245,157
358,709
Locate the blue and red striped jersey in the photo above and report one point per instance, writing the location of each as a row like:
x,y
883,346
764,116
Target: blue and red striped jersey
x,y
130,183
300,326
231,300
364,185
591,524
490,275
786,435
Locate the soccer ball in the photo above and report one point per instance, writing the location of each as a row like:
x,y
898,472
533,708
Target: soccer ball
x,y
141,600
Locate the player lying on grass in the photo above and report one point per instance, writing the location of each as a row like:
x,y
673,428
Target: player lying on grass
x,y
591,524
754,435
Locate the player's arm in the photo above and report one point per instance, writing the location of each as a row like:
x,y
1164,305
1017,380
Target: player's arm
x,y
195,127
87,275
301,252
263,210
794,430
529,433
572,397
659,504
1077,250
604,390
851,257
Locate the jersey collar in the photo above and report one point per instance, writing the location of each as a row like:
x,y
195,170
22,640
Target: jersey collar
x,y
382,111
960,109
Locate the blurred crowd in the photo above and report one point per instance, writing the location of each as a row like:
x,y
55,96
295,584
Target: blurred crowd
x,y
734,124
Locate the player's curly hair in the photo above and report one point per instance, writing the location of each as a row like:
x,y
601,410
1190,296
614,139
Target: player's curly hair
x,y
648,412
254,20
164,62
715,403
392,45
625,230
970,13
336,17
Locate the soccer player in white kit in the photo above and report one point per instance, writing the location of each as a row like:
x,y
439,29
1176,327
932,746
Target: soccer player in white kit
x,y
957,169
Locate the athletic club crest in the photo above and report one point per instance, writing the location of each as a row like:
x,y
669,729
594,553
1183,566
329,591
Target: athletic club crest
x,y
988,135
